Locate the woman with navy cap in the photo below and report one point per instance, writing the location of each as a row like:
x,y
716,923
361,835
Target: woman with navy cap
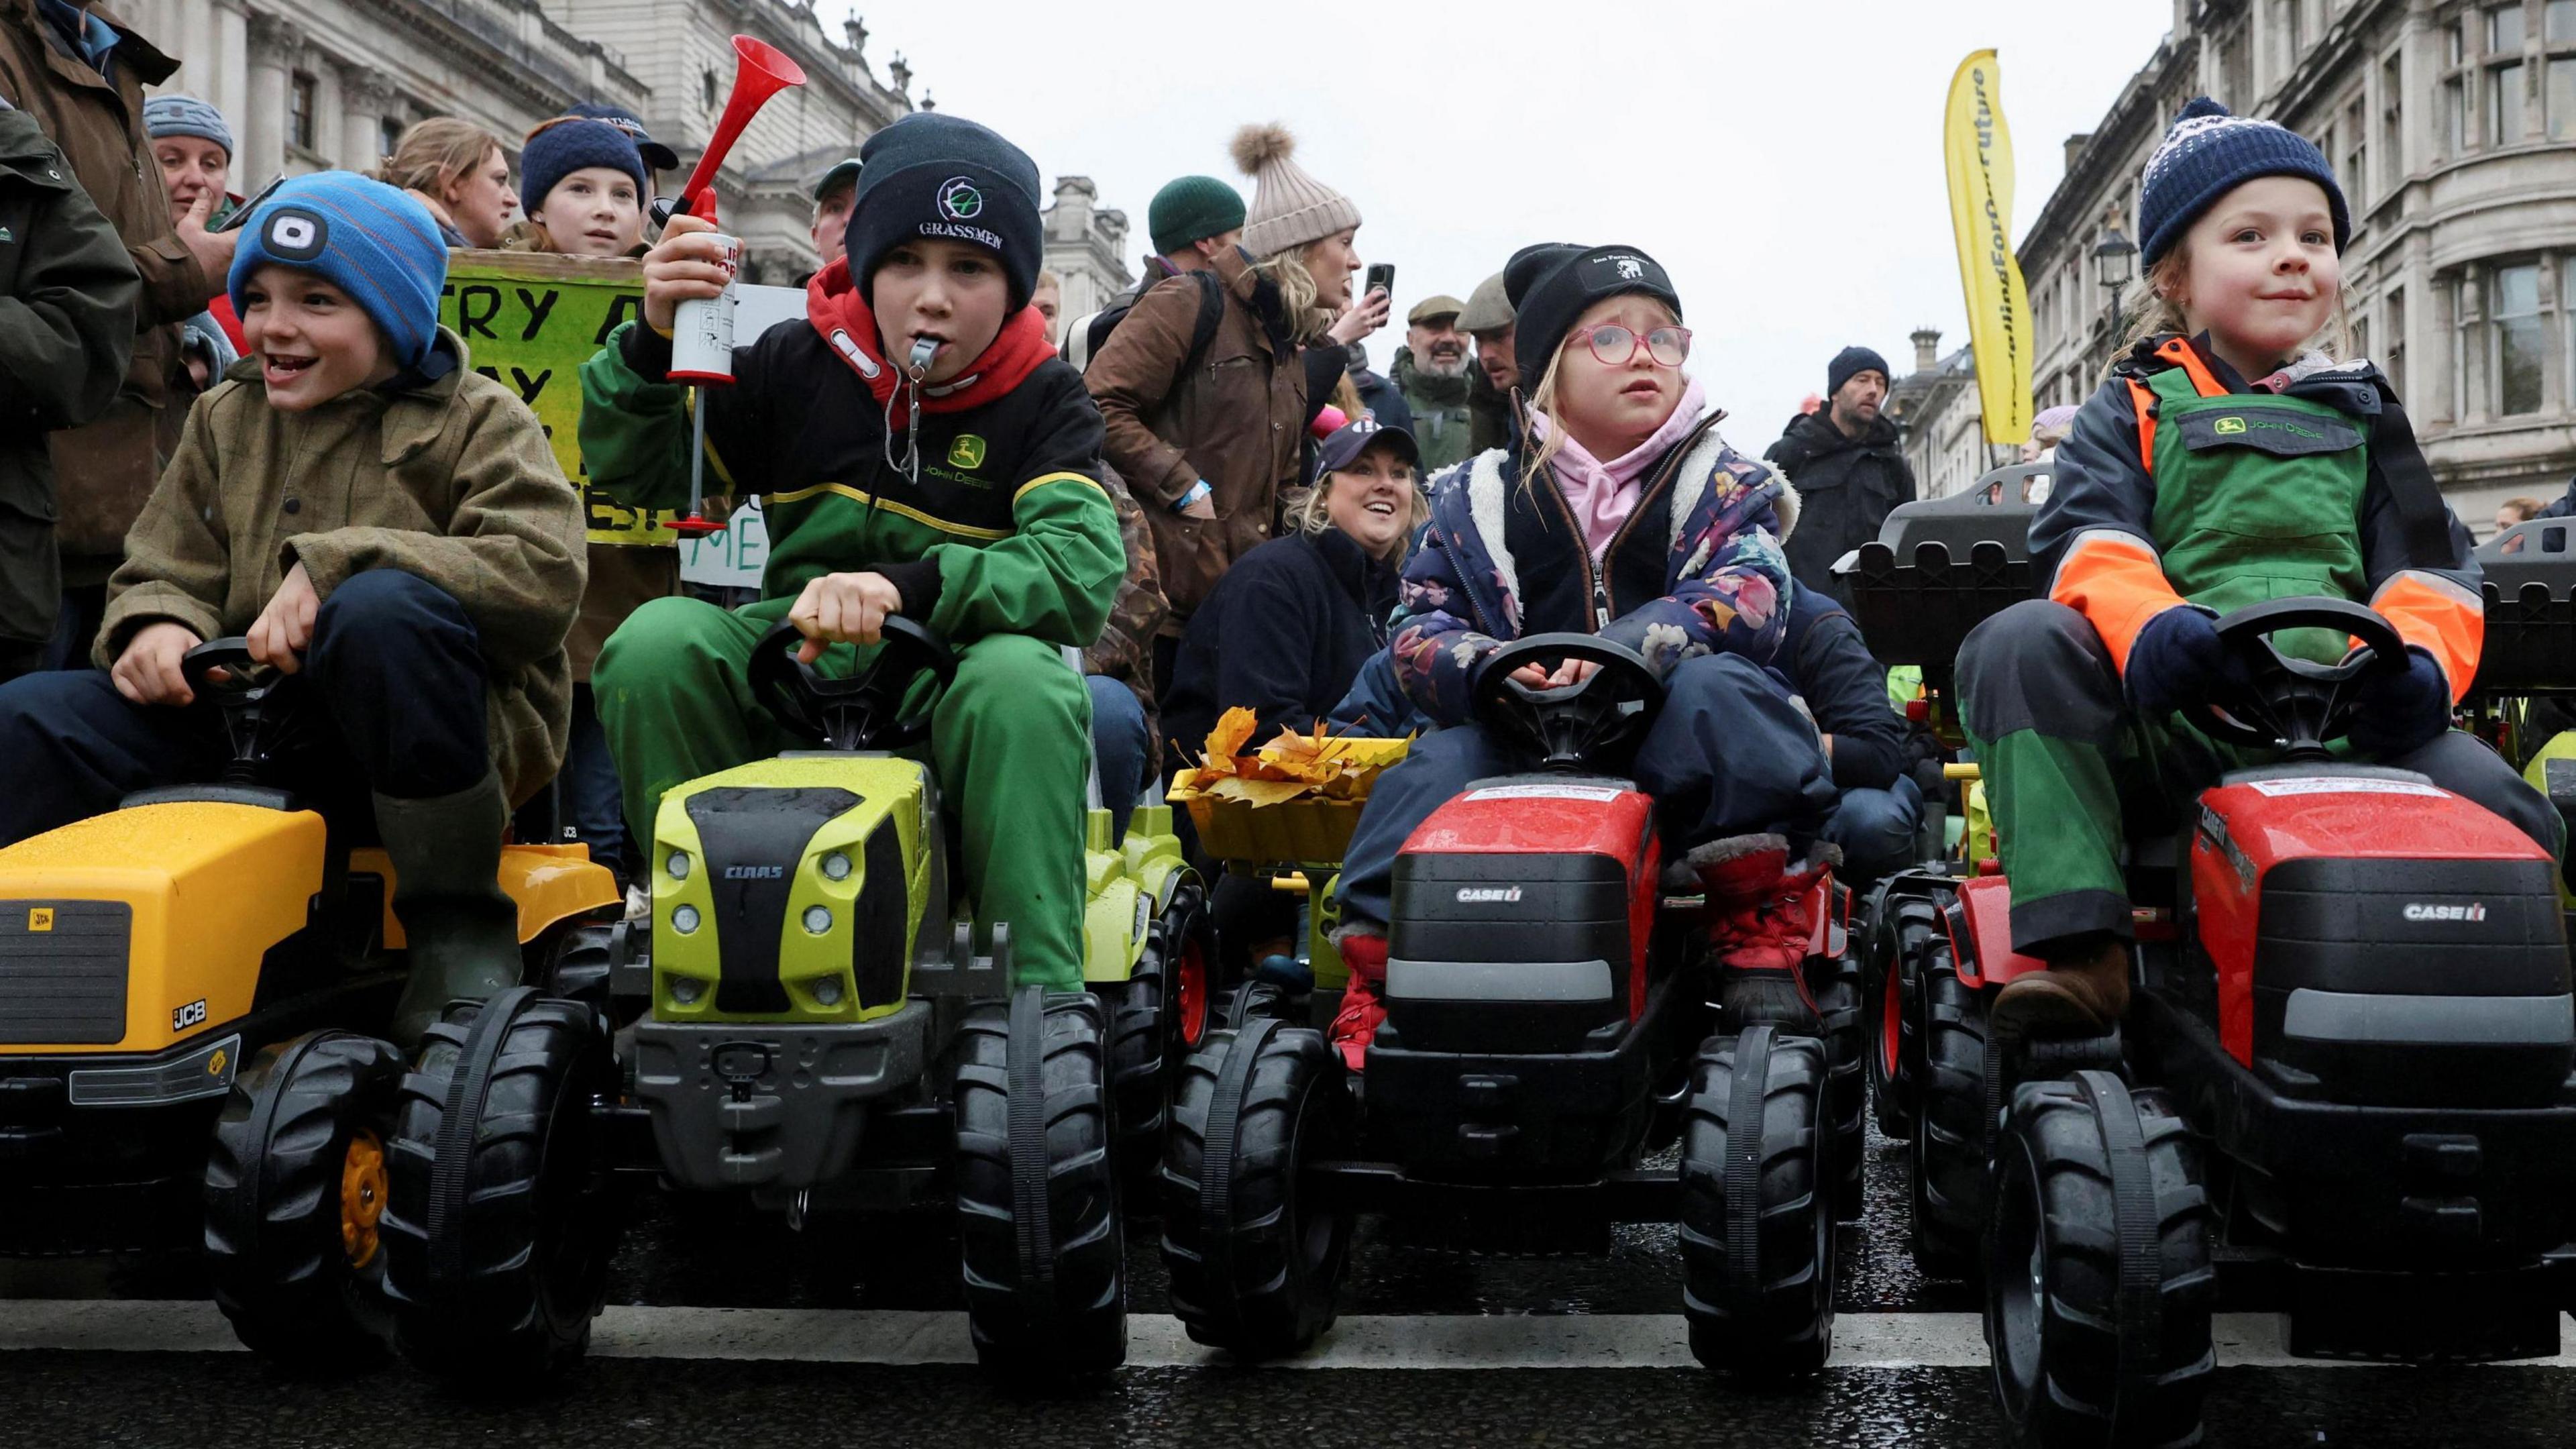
x,y
1286,630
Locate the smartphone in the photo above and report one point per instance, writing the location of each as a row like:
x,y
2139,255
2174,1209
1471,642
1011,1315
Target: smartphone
x,y
1381,278
242,213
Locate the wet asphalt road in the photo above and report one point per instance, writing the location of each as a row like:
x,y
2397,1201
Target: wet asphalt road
x,y
59,1398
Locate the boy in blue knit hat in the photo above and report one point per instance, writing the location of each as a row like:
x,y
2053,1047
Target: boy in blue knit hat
x,y
2229,460
371,514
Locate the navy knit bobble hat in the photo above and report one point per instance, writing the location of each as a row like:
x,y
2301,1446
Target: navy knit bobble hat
x,y
1849,362
2209,152
1554,283
370,240
568,144
932,174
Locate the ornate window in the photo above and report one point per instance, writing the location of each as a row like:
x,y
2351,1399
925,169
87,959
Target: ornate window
x,y
299,110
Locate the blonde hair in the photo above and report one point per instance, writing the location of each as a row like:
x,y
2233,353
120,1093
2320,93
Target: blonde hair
x,y
1047,279
1306,510
1307,320
2153,312
435,154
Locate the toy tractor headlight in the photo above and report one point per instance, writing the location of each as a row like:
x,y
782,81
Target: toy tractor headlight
x,y
818,920
677,866
685,990
836,866
684,919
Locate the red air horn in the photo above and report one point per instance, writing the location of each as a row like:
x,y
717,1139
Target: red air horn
x,y
702,329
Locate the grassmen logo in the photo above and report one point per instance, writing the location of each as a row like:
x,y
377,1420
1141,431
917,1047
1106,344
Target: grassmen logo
x,y
959,200
966,452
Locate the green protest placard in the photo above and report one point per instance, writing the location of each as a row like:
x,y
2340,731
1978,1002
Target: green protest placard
x,y
530,320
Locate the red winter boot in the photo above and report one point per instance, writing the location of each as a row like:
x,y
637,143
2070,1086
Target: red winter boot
x,y
1761,925
1364,1000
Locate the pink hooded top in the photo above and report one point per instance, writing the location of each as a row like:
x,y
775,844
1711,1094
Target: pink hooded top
x,y
1604,494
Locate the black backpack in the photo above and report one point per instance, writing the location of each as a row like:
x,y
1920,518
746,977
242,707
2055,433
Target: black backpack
x,y
1084,339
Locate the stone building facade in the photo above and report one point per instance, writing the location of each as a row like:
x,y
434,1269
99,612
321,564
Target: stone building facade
x,y
1936,404
313,84
1084,247
2452,128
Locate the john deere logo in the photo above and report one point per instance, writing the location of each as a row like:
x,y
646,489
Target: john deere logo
x,y
967,452
959,200
2229,425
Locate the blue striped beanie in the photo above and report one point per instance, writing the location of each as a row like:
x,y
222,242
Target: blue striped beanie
x,y
370,240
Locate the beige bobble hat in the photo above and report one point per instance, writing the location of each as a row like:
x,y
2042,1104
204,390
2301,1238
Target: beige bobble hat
x,y
1289,207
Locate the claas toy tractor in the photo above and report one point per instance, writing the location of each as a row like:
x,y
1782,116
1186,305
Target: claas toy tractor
x,y
194,988
1550,1027
802,1026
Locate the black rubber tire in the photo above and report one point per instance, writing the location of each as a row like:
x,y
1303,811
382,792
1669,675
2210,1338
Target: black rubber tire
x,y
1253,1270
1187,932
281,1268
1251,1001
1946,1175
1757,1230
1037,1189
1144,1037
1846,1041
572,961
2059,1299
1902,927
498,1237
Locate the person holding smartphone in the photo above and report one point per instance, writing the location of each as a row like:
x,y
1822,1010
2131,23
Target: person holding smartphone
x,y
1208,436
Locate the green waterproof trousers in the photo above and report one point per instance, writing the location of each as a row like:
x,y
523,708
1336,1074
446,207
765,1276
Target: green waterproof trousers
x,y
2072,773
1009,742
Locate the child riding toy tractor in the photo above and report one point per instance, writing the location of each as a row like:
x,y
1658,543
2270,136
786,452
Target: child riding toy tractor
x,y
806,1026
2341,1093
1549,1025
194,992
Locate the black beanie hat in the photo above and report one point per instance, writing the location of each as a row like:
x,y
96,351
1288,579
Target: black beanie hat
x,y
932,174
1851,360
1554,283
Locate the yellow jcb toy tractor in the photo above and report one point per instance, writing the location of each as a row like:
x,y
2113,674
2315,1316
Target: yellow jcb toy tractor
x,y
193,988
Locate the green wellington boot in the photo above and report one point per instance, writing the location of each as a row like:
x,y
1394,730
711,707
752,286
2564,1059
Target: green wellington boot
x,y
462,931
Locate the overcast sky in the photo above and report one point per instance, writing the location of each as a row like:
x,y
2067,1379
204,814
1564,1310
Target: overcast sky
x,y
1783,161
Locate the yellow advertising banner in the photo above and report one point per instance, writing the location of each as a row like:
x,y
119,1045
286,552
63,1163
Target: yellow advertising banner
x,y
530,321
1977,146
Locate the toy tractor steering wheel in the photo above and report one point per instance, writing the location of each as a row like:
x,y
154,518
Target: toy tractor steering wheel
x,y
254,699
858,713
2295,704
1576,726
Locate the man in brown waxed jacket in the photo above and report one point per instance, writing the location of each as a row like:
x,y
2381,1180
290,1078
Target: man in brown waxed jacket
x,y
80,70
1233,418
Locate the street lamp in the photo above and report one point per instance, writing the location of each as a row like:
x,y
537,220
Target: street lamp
x,y
2115,259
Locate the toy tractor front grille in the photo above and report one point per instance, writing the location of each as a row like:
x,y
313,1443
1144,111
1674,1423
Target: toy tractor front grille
x,y
789,890
63,971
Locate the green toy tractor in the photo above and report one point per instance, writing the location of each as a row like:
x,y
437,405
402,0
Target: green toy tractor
x,y
806,1025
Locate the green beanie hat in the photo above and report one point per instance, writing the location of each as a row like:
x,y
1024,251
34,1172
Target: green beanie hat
x,y
1191,209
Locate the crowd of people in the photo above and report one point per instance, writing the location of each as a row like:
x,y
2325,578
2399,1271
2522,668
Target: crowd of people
x,y
247,420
